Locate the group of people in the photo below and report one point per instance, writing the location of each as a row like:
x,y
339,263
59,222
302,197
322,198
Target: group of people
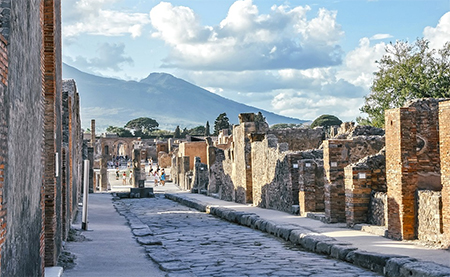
x,y
160,178
159,175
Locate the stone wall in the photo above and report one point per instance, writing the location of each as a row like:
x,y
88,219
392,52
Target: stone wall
x,y
220,173
200,178
429,216
299,138
22,166
337,154
378,210
444,144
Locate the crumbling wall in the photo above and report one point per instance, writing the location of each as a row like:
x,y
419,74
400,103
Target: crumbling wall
x,y
277,176
220,173
337,154
378,209
361,179
311,182
200,177
299,139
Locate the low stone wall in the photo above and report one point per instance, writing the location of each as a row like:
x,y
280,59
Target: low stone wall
x,y
429,216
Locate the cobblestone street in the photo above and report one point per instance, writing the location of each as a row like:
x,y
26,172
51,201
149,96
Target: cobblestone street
x,y
186,242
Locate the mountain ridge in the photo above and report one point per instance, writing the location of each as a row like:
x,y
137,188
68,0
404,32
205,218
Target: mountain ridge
x,y
171,101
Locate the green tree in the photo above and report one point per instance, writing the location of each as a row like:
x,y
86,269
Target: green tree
x,y
142,125
406,72
259,117
121,132
197,131
177,133
285,125
326,120
222,122
207,129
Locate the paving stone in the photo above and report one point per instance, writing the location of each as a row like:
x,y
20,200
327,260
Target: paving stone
x,y
173,266
148,240
200,244
142,232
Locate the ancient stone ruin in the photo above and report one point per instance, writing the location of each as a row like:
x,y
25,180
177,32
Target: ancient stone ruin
x,y
397,179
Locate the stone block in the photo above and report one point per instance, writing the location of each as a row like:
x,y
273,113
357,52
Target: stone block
x,y
393,266
309,242
148,240
140,232
373,261
341,252
173,266
424,269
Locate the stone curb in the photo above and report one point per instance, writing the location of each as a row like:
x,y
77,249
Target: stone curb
x,y
388,265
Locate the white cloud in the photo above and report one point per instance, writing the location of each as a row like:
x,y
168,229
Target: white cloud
x,y
109,57
247,40
93,17
312,106
359,64
439,35
380,36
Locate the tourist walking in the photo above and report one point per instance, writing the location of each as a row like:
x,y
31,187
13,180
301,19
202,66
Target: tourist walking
x,y
163,177
156,178
131,177
124,178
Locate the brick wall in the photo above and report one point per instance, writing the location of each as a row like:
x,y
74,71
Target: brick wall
x,y
361,179
337,154
311,184
412,162
444,141
401,168
3,139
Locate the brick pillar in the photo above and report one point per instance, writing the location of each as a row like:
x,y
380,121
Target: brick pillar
x,y
307,186
3,139
444,141
401,168
93,133
358,186
49,132
335,158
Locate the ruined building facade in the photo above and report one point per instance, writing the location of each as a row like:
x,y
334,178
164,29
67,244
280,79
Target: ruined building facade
x,y
40,139
398,181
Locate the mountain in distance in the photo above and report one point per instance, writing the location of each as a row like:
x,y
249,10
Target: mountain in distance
x,y
169,100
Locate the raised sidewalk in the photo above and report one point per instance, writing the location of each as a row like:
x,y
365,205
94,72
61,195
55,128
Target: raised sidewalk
x,y
376,253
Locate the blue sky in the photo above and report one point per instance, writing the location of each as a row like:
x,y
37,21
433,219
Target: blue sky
x,y
296,58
